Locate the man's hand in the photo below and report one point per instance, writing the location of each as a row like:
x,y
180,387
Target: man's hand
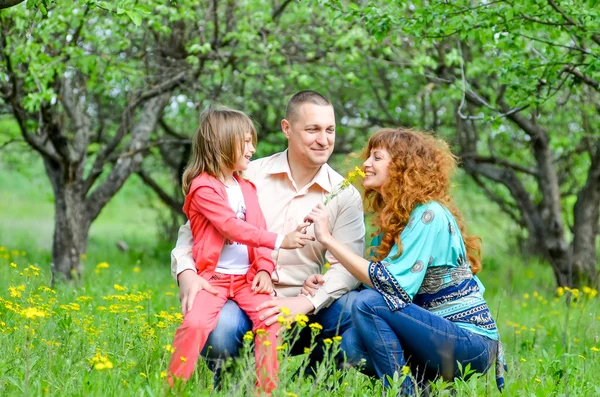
x,y
272,308
190,284
312,284
262,284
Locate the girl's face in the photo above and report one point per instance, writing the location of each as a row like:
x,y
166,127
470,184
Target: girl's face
x,y
377,169
248,150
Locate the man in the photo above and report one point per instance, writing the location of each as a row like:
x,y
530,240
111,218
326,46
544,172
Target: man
x,y
289,185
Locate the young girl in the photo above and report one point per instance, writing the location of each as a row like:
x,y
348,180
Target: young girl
x,y
232,247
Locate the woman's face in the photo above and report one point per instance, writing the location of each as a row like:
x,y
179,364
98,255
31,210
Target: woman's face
x,y
376,169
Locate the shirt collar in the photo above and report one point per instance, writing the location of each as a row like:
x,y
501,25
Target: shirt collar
x,y
280,165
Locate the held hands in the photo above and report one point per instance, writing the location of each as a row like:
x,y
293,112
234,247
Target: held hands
x,y
262,283
319,217
298,238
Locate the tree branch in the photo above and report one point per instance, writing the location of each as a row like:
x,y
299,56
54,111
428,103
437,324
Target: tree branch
x,y
9,3
277,13
586,79
571,21
104,154
494,160
127,165
504,206
173,203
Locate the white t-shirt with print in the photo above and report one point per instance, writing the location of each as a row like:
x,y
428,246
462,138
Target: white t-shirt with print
x,y
234,256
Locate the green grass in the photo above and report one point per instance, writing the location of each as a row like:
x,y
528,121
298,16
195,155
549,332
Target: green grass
x,y
551,347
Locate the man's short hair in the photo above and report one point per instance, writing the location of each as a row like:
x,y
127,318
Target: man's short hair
x,y
301,98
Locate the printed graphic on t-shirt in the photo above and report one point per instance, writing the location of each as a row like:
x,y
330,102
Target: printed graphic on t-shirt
x,y
241,214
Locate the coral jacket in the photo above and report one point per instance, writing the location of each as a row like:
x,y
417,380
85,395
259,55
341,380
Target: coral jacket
x,y
212,221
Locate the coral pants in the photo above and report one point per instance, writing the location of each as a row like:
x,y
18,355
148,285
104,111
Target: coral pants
x,y
199,322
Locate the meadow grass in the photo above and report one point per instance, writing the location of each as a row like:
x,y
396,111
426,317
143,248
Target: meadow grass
x,y
109,333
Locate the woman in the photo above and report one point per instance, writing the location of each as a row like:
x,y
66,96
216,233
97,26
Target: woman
x,y
424,306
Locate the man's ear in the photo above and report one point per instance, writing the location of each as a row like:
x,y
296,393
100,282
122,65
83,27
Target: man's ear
x,y
286,128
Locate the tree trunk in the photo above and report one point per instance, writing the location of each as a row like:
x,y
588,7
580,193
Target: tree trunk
x,y
586,214
71,219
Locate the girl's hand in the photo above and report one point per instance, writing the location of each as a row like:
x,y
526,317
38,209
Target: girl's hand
x,y
262,283
319,217
298,238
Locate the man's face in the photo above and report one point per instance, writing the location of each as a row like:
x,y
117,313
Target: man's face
x,y
311,134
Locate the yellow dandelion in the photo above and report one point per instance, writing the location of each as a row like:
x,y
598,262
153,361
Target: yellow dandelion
x,y
285,311
282,347
119,287
300,318
14,292
169,348
316,326
327,341
32,313
248,336
102,265
337,338
163,374
13,265
306,350
267,343
405,370
560,291
359,171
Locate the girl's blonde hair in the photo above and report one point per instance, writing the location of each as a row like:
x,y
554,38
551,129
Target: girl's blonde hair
x,y
218,143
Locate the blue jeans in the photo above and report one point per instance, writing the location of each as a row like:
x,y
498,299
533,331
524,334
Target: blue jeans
x,y
429,344
225,341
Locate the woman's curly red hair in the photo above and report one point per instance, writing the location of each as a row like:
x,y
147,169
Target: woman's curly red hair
x,y
419,172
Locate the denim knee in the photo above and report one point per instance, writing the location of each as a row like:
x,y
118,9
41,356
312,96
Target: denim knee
x,y
365,302
226,339
337,318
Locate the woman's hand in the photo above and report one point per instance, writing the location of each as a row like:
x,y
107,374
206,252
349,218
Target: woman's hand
x,y
298,238
190,283
319,217
262,283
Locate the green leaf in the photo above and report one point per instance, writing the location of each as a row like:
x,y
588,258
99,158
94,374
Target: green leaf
x,y
136,18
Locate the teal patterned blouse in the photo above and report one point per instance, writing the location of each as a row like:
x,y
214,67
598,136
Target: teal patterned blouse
x,y
433,272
